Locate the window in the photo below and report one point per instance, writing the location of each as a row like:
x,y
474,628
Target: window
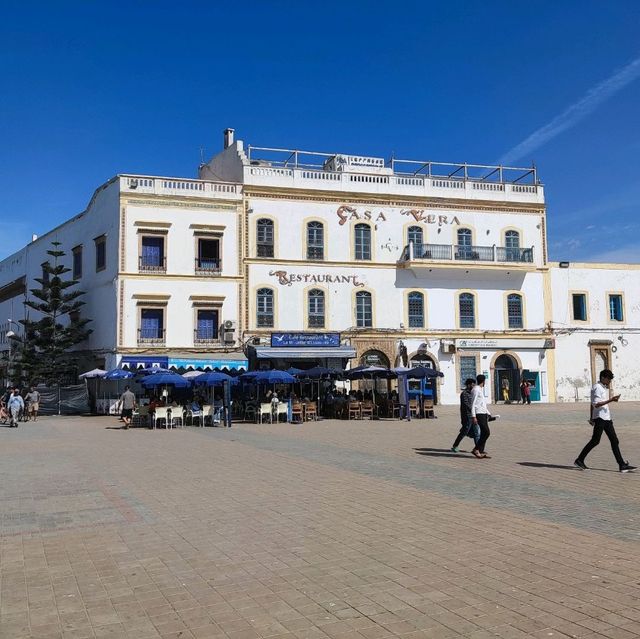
x,y
514,310
615,308
208,259
364,311
512,246
416,310
467,368
316,308
579,303
152,258
315,241
45,272
414,236
206,326
151,325
264,307
466,305
463,250
264,237
101,253
363,241
77,262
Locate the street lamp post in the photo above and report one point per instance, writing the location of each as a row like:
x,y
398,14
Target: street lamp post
x,y
10,335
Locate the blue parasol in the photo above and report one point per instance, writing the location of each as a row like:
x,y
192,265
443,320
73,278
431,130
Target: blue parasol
x,y
213,378
118,373
165,379
273,377
421,372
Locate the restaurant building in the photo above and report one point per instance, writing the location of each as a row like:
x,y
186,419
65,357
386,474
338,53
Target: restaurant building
x,y
279,258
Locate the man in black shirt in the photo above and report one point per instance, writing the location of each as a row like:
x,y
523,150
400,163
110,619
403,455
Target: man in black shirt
x,y
467,425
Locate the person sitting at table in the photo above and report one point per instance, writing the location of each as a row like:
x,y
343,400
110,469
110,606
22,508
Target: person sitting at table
x,y
359,395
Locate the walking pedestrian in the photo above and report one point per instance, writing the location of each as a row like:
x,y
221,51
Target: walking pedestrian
x,y
15,405
127,403
526,397
480,417
601,415
467,425
33,403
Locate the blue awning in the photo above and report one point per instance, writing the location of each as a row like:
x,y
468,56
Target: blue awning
x,y
266,352
209,364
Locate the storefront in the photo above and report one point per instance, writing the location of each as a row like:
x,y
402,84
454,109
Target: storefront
x,y
301,350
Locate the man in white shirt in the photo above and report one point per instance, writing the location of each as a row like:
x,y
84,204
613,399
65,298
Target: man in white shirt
x,y
480,417
601,416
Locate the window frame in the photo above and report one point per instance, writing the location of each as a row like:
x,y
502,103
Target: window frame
x,y
318,226
75,252
459,309
322,296
585,296
197,309
410,316
361,226
207,237
266,313
467,355
100,244
520,296
610,296
162,338
363,295
267,223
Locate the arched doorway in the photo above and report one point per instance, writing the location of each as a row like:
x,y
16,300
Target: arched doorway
x,y
374,357
422,358
506,376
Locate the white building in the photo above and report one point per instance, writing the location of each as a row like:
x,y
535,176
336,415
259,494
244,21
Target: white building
x,y
289,259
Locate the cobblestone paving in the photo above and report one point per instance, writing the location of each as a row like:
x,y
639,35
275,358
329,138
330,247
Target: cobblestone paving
x,y
346,530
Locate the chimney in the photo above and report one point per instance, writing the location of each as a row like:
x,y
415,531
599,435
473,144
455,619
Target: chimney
x,y
228,138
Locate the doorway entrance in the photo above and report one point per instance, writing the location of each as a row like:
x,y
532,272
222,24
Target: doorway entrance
x,y
506,377
422,359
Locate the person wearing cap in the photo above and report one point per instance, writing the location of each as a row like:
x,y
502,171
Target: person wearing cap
x,y
601,415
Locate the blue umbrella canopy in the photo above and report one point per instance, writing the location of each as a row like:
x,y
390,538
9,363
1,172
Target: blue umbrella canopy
x,y
370,372
213,378
165,379
274,377
152,370
118,373
421,372
294,371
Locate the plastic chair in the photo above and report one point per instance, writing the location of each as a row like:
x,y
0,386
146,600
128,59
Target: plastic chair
x,y
283,409
162,413
195,415
176,417
265,409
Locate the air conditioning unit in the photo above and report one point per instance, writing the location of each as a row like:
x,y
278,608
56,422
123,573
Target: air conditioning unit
x,y
228,337
229,325
448,346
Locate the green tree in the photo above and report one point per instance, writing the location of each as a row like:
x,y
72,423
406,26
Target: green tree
x,y
45,353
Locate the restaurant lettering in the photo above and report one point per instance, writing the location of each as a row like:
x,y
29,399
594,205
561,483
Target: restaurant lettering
x,y
287,279
349,213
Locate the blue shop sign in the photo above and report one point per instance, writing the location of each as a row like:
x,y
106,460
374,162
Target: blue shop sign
x,y
315,340
142,361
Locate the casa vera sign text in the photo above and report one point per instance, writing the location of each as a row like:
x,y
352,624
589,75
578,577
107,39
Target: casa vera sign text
x,y
349,213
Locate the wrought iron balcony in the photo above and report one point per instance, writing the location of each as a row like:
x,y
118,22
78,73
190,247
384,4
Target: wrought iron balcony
x,y
148,264
466,253
205,336
154,336
207,266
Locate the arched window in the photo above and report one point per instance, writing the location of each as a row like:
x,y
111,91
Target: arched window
x,y
362,241
264,237
512,246
364,310
414,235
467,310
316,308
315,241
416,309
514,310
264,307
464,249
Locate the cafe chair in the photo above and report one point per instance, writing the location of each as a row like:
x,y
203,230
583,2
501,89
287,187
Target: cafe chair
x,y
162,413
355,411
311,411
414,408
176,417
283,409
297,413
140,417
366,410
265,410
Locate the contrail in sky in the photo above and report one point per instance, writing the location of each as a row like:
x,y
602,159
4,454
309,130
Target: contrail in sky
x,y
576,112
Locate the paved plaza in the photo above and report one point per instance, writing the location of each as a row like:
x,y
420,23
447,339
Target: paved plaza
x,y
345,530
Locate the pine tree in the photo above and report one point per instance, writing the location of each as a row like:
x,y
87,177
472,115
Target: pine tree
x,y
45,350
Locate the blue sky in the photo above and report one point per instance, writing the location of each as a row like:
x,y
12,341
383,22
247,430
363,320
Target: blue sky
x,y
94,89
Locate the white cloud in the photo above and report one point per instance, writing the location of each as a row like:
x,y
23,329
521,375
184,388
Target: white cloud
x,y
576,112
629,254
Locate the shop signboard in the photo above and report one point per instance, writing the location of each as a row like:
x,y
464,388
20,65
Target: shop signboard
x,y
311,340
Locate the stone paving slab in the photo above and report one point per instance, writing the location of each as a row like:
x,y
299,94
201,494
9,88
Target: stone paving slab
x,y
332,529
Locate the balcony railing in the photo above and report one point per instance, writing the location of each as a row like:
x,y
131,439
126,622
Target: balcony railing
x,y
205,336
466,253
155,336
152,265
207,266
